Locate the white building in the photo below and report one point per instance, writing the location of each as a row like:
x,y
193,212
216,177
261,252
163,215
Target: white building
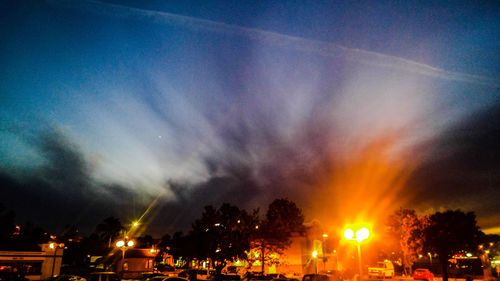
x,y
34,265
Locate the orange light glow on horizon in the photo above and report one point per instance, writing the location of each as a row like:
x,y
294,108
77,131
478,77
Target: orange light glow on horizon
x,y
366,184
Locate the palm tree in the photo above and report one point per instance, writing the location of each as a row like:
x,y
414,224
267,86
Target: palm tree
x,y
109,229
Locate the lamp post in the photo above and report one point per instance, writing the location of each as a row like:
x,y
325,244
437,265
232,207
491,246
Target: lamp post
x,y
123,245
323,250
361,235
55,247
315,258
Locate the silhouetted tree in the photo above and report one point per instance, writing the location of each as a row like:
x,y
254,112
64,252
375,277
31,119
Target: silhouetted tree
x,y
179,246
109,229
273,234
409,230
450,232
145,241
222,235
7,223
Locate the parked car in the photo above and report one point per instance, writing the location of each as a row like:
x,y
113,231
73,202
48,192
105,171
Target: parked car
x,y
228,277
257,276
103,276
276,275
147,276
316,277
281,277
204,274
66,277
336,275
383,269
423,274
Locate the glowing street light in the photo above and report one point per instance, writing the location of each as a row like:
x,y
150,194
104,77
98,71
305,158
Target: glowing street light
x,y
135,224
315,256
123,245
348,234
361,234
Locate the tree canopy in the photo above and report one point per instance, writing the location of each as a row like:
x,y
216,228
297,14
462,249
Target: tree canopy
x,y
274,232
449,232
222,235
109,229
408,229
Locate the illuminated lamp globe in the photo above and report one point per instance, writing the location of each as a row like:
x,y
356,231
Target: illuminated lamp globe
x,y
348,234
130,243
315,254
120,243
362,234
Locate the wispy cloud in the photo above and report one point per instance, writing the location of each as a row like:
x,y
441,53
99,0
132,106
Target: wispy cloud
x,y
280,40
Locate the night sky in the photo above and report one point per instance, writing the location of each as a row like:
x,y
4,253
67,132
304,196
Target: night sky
x,y
159,108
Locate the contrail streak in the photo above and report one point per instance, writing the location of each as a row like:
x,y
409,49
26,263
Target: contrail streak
x,y
276,39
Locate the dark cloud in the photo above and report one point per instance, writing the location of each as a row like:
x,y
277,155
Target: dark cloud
x,y
60,190
174,215
463,169
66,168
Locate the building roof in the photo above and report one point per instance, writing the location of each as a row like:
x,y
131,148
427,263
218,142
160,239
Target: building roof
x,y
139,253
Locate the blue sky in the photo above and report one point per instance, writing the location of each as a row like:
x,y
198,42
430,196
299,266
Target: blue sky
x,y
208,102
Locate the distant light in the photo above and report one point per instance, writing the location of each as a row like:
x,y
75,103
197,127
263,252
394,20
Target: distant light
x,y
52,245
469,255
135,223
120,243
217,224
256,227
239,221
325,235
314,254
487,251
130,243
152,251
348,234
